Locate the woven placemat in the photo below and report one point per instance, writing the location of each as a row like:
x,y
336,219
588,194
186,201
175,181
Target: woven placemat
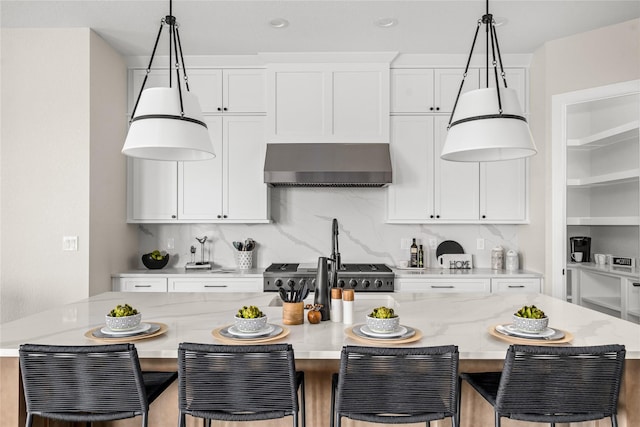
x,y
383,341
568,337
216,334
162,330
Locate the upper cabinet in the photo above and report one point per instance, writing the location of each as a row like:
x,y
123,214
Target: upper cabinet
x,y
427,90
328,103
233,91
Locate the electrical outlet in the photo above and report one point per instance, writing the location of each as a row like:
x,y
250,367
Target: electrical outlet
x,y
433,243
405,243
69,243
480,243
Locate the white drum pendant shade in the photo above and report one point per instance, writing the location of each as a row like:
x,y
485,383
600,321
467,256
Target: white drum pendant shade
x,y
478,133
158,132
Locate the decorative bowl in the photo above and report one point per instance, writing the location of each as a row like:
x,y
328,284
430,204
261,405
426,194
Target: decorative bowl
x,y
383,325
123,323
530,325
154,264
250,325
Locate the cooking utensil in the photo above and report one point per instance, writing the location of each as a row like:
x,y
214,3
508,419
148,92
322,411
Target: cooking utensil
x,y
283,295
237,245
449,247
249,244
304,292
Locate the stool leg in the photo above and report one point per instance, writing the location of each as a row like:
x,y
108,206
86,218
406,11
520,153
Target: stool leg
x,y
334,385
303,402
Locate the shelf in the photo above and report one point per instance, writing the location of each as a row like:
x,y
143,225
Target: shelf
x,y
611,303
603,220
610,178
634,312
610,136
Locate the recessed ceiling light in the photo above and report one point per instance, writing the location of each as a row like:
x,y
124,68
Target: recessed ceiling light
x,y
279,23
386,22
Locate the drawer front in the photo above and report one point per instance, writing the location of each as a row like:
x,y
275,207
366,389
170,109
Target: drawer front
x,y
443,285
232,284
515,285
140,284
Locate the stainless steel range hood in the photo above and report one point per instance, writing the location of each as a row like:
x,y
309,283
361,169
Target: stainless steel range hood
x,y
327,165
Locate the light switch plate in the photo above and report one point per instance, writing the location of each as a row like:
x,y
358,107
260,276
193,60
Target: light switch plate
x,y
479,243
69,243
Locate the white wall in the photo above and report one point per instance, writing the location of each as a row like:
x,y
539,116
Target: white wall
x,y
51,129
595,58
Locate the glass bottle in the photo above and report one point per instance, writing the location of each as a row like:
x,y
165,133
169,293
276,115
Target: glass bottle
x,y
414,254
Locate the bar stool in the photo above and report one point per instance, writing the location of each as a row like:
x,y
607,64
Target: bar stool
x,y
239,383
554,384
88,383
396,385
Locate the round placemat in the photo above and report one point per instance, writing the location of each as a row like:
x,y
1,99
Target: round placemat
x,y
162,330
383,341
216,334
568,337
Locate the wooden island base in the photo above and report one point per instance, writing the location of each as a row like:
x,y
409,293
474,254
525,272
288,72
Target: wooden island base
x,y
475,411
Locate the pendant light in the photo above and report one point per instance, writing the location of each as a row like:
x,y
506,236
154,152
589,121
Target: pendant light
x,y
167,122
487,124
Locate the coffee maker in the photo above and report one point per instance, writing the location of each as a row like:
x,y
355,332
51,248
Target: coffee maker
x,y
580,245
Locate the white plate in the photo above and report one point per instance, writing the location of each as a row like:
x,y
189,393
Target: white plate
x,y
238,333
142,327
517,332
397,333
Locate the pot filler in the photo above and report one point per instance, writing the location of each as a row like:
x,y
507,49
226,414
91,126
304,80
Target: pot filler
x,y
360,277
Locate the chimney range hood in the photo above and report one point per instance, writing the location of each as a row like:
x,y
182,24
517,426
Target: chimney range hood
x,y
327,165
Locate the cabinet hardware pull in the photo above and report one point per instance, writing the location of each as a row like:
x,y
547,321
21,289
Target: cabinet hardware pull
x,y
141,286
219,109
215,286
225,108
636,284
442,286
173,216
516,286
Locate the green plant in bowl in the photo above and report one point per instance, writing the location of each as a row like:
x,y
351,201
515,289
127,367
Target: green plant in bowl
x,y
383,319
530,318
122,318
250,319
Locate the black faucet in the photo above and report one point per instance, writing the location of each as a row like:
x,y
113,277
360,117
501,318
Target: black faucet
x,y
336,263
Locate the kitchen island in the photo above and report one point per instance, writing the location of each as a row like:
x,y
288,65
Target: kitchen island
x,y
460,319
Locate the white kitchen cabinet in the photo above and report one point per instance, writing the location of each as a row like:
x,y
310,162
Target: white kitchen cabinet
x,y
516,285
427,189
139,284
215,284
429,285
328,103
218,90
227,188
427,90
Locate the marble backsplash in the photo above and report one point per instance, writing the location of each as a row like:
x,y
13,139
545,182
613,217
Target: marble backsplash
x,y
301,232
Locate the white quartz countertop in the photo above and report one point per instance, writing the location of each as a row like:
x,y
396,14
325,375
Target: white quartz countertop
x,y
470,272
460,319
181,272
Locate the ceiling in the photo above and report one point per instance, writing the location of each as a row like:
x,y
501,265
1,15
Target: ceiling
x,y
223,27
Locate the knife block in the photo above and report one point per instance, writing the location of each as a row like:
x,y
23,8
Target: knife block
x,y
293,313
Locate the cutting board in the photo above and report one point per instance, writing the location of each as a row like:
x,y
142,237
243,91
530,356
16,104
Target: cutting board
x,y
449,247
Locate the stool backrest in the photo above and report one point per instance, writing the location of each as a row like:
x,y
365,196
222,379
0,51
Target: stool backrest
x,y
100,379
236,379
557,380
375,380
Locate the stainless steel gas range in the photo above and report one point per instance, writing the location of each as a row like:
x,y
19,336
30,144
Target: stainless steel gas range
x,y
360,277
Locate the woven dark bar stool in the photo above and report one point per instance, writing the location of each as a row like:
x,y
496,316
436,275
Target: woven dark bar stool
x,y
396,385
554,384
88,383
239,383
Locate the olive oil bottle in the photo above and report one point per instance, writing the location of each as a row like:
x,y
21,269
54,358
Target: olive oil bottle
x,y
420,257
414,254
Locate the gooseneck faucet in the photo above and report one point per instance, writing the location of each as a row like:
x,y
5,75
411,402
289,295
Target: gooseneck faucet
x,y
336,263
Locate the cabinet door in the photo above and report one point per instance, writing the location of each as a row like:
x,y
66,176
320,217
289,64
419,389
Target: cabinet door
x,y
412,90
447,84
410,196
200,182
140,284
503,191
429,285
210,284
244,91
360,100
152,190
206,84
246,194
515,285
457,190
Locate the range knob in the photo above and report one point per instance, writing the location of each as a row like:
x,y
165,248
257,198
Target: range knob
x,y
377,283
341,283
291,283
365,283
278,283
353,283
302,281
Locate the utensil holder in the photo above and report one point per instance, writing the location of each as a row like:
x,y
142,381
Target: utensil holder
x,y
244,260
293,313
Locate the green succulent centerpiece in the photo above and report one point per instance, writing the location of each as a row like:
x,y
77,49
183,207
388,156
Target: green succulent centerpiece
x,y
530,318
123,317
383,319
250,319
